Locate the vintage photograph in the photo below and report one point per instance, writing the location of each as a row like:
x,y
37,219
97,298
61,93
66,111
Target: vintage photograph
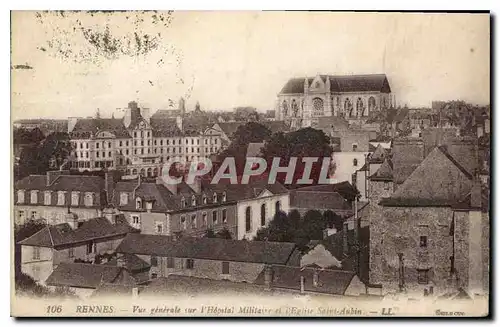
x,y
250,164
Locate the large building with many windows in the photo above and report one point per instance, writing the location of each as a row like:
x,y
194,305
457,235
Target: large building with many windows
x,y
305,100
138,144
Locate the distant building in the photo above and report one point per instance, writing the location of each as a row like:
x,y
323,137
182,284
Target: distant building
x,y
304,100
139,144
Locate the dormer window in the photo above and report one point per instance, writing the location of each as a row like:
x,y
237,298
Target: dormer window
x,y
20,196
215,198
74,198
34,196
47,198
205,200
89,199
123,198
138,203
193,200
224,196
183,202
61,198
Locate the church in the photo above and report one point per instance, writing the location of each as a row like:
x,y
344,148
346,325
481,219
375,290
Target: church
x,y
303,101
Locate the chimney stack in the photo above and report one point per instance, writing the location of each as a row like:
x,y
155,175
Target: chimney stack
x,y
71,219
135,111
109,214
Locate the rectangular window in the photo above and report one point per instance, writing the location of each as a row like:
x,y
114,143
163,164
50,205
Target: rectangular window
x,y
354,147
183,222
159,227
36,253
423,241
74,198
91,247
97,145
189,264
21,216
60,198
225,268
170,262
423,276
136,220
34,197
154,261
47,198
224,216
33,214
20,196
386,186
193,221
71,253
214,217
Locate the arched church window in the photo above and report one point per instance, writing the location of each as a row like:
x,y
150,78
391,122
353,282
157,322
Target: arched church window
x,y
285,108
371,104
360,108
318,107
295,108
348,107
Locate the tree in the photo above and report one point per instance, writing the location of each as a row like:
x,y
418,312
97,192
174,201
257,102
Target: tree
x,y
333,220
209,233
244,135
307,142
313,225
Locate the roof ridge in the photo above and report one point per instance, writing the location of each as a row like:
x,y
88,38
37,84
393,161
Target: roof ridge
x,y
444,151
50,235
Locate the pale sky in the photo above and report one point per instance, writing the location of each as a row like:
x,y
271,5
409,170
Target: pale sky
x,y
229,59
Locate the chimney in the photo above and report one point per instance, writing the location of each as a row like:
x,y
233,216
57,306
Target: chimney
x,y
345,245
316,278
196,185
135,111
71,219
109,214
302,284
109,186
146,114
178,121
268,277
171,187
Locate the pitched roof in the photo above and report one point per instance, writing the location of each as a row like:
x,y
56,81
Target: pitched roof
x,y
81,183
165,127
181,285
82,275
61,235
438,181
343,188
88,127
342,83
318,200
207,248
162,114
288,277
384,172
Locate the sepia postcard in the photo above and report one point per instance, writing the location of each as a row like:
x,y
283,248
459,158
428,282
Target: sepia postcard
x,y
250,164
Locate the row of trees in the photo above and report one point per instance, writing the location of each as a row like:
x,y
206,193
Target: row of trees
x,y
299,229
307,142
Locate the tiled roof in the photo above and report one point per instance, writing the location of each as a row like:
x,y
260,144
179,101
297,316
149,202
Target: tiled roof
x,y
67,183
384,173
378,155
162,114
88,127
438,181
165,127
207,248
345,83
343,188
274,126
82,275
329,281
132,262
181,285
63,235
164,200
318,200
